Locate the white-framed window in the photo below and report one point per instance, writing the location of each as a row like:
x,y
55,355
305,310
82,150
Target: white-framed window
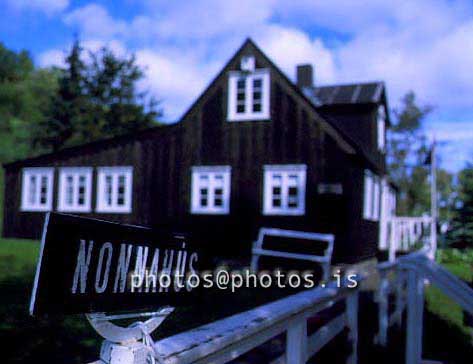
x,y
75,189
37,189
114,189
210,192
248,95
381,128
371,197
284,189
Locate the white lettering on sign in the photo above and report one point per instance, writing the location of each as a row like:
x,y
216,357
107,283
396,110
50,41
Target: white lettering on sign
x,y
122,269
115,269
82,266
180,269
167,268
140,263
153,271
101,287
193,258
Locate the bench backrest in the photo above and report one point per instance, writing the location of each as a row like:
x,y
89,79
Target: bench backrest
x,y
324,260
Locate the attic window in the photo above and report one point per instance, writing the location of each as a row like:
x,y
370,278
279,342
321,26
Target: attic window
x,y
248,95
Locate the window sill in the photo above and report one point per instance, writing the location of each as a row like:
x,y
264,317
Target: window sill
x,y
284,213
204,212
73,209
35,209
112,211
251,118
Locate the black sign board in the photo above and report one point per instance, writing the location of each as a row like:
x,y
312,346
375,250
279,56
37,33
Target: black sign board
x,y
88,265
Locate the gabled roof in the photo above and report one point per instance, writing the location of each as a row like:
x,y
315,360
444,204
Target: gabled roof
x,y
356,93
344,140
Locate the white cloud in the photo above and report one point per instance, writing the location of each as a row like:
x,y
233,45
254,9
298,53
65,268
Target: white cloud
x,y
451,131
53,57
56,57
454,155
175,80
288,47
49,7
94,21
207,18
93,45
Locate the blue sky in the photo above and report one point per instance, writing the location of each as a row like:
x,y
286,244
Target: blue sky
x,y
423,45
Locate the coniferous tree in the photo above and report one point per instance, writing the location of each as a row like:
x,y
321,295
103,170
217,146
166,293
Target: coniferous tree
x,y
97,99
69,106
118,107
461,230
406,154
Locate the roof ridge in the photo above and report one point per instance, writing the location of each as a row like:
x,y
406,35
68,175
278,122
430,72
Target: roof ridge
x,y
350,84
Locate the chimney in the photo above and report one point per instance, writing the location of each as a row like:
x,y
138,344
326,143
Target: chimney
x,y
305,76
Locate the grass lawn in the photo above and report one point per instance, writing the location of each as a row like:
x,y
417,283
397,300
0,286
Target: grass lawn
x,y
17,256
29,339
460,264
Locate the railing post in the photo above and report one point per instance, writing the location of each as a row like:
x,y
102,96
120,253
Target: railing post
x,y
392,240
296,342
383,319
352,323
415,309
399,296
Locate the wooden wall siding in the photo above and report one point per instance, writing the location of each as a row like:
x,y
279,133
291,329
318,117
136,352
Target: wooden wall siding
x,y
360,122
162,161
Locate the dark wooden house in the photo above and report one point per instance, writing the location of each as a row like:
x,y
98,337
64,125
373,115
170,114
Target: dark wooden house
x,y
255,149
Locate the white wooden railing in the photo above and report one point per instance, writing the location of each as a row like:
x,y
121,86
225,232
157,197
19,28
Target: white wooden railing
x,y
406,278
403,233
227,339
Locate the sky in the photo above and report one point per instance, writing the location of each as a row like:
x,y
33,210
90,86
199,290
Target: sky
x,y
423,45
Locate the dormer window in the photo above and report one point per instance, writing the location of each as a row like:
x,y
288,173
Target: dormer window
x,y
381,128
248,92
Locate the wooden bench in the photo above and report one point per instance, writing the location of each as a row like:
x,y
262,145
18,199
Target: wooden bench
x,y
324,260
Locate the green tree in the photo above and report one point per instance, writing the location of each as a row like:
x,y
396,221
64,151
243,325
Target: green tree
x,y
446,191
461,229
14,66
117,106
69,106
406,155
24,98
96,99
